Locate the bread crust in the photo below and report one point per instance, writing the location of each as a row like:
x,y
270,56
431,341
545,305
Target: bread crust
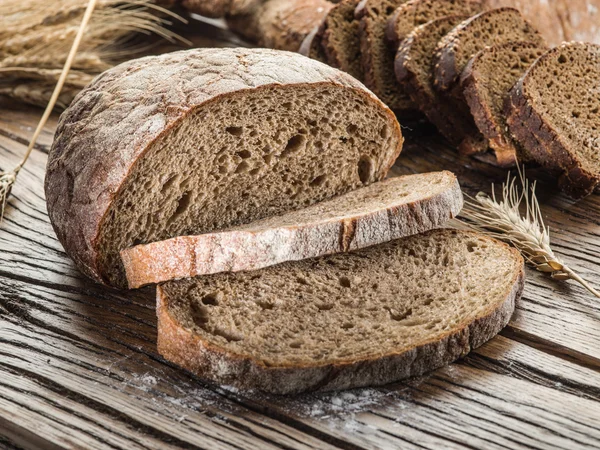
x,y
112,122
543,143
182,347
238,250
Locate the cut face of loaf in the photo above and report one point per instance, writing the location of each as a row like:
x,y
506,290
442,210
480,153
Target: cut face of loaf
x,y
414,13
486,81
195,141
377,56
414,71
553,111
370,317
341,40
495,27
378,213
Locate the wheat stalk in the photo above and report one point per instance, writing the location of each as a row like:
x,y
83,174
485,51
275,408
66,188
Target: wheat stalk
x,y
502,219
8,179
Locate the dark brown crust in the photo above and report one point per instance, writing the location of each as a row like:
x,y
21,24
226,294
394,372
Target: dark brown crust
x,y
237,250
505,148
182,347
542,142
112,122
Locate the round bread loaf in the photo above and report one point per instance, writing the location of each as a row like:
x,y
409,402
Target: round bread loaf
x,y
199,140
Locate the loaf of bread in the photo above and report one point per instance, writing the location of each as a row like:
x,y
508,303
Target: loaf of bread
x,y
195,141
380,212
370,317
553,111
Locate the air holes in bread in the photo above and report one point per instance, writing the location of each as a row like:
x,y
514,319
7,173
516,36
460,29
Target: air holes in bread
x,y
244,154
295,144
212,299
345,282
229,335
318,181
296,344
242,167
400,315
182,205
170,182
347,325
365,169
199,314
234,131
471,246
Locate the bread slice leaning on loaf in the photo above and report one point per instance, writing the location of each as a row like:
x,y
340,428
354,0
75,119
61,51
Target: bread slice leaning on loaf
x,y
370,317
398,207
554,112
200,140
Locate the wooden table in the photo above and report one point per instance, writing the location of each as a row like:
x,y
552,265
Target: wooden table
x,y
79,367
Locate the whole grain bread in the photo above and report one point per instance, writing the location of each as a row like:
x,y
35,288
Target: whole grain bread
x,y
553,111
341,41
375,214
279,24
418,12
494,27
414,71
377,55
199,140
370,317
486,81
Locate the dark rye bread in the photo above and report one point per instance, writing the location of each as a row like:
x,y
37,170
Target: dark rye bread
x,y
378,213
414,71
418,12
494,27
341,41
486,81
370,317
554,112
280,24
194,141
377,56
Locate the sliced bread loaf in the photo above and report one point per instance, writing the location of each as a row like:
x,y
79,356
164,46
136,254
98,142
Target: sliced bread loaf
x,y
199,140
418,12
370,317
378,213
554,112
414,70
494,27
341,40
377,55
311,46
486,81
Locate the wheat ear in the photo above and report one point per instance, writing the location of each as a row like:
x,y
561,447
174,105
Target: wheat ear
x,y
502,219
8,179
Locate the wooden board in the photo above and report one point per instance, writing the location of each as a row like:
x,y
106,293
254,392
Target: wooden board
x,y
79,367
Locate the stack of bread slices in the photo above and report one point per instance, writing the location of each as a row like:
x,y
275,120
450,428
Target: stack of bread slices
x,y
455,61
250,185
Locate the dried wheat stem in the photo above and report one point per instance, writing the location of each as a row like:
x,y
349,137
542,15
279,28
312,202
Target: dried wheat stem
x,y
8,179
502,219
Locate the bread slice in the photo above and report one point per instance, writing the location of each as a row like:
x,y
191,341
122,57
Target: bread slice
x,y
494,27
341,40
553,111
200,140
378,213
486,81
377,56
414,13
279,24
370,317
414,71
